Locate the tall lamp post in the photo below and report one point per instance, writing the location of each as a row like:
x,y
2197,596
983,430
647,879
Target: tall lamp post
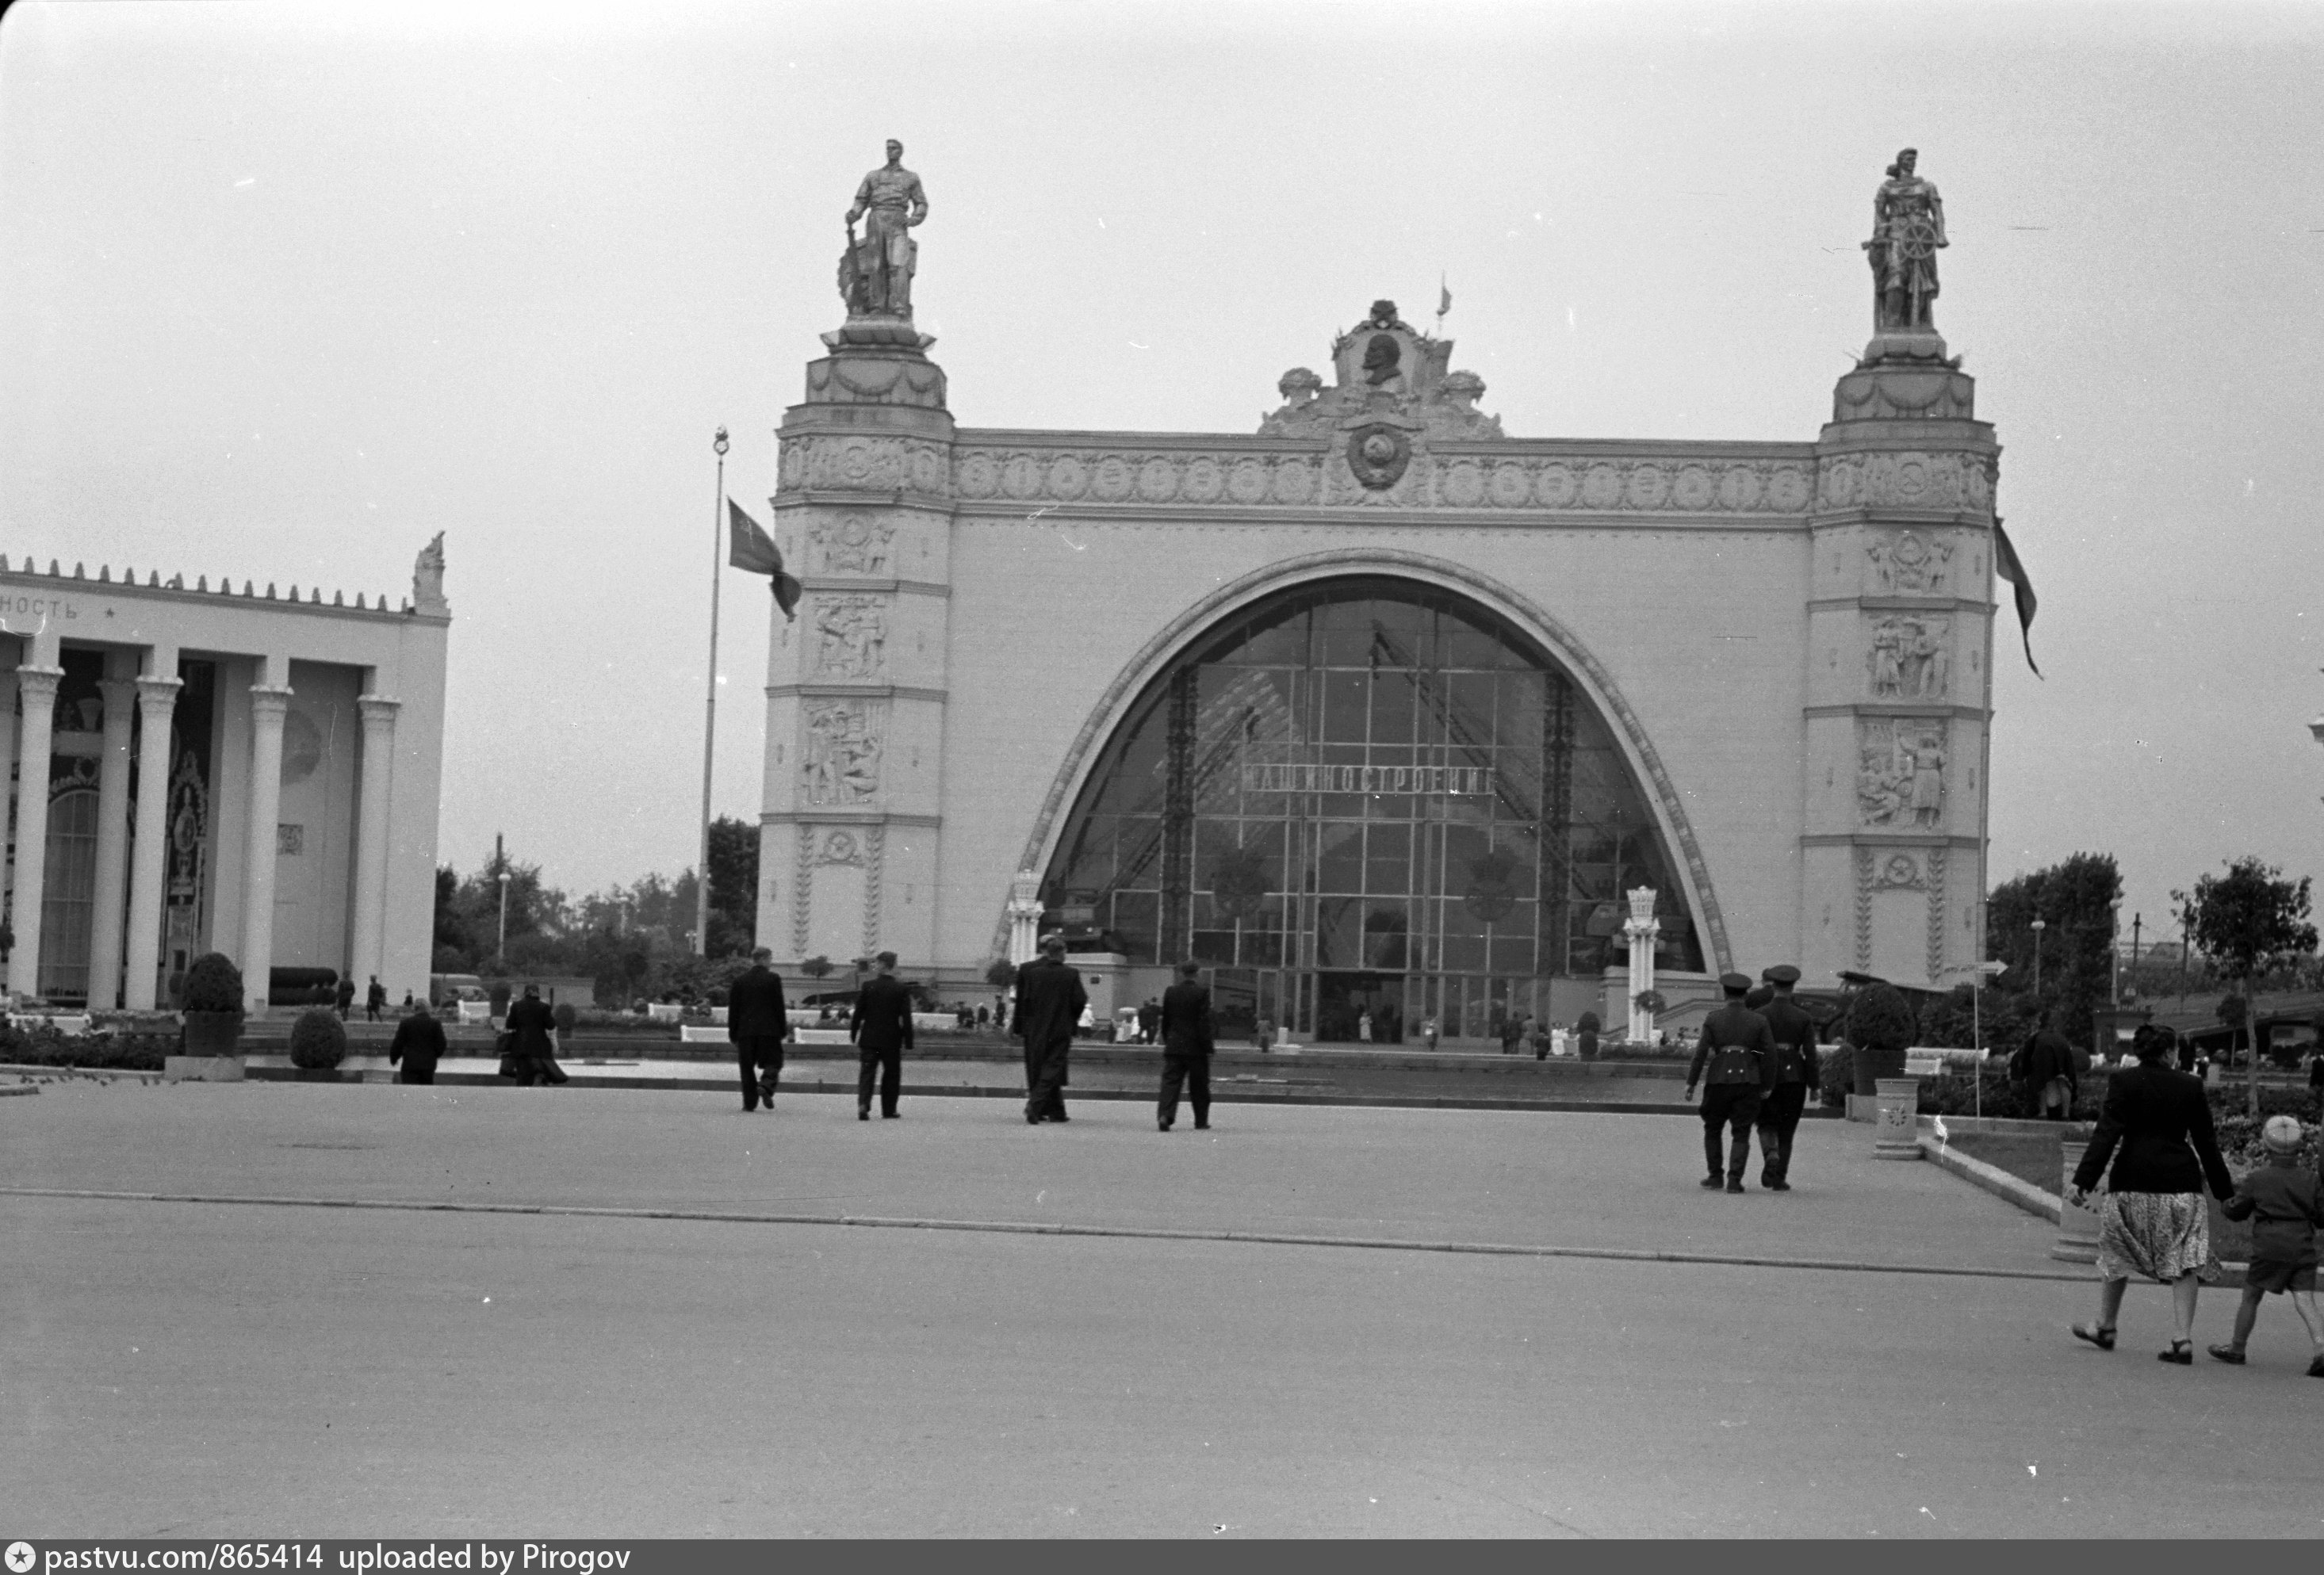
x,y
500,954
2038,927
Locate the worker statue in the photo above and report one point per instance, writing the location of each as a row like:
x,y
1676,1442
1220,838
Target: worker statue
x,y
1908,230
875,275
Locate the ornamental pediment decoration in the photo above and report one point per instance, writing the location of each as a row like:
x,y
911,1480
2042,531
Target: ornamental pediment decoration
x,y
1383,368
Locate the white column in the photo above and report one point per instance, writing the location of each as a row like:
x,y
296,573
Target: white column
x,y
157,704
269,702
39,688
1642,929
112,847
365,961
1024,918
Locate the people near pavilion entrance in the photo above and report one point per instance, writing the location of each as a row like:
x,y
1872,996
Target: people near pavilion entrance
x,y
2153,1221
2044,1063
343,998
1050,1002
758,1022
881,1027
418,1046
1797,1076
2282,1201
532,1036
1739,1049
1185,1023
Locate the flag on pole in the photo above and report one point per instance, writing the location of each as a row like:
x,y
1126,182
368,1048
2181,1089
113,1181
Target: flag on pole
x,y
1443,297
2006,564
752,550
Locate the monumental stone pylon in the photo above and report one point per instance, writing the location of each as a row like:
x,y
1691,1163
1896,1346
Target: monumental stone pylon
x,y
856,687
1900,632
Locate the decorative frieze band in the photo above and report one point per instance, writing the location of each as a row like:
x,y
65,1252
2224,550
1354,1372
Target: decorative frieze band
x,y
1906,479
1612,485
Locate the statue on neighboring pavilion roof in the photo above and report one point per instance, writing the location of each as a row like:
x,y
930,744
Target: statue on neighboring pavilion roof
x,y
1908,230
875,274
427,579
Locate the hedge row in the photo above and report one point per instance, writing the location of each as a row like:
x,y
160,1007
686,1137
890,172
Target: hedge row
x,y
45,1046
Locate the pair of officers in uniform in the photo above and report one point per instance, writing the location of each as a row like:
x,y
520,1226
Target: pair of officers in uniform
x,y
1761,1057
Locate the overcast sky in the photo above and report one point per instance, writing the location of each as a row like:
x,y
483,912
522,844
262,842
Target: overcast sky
x,y
285,289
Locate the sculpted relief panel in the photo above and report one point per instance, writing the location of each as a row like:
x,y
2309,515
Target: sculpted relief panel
x,y
851,637
855,543
1900,779
1911,656
841,762
1906,563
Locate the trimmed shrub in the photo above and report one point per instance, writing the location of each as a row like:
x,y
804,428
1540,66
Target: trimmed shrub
x,y
1881,1025
318,1040
212,984
566,1016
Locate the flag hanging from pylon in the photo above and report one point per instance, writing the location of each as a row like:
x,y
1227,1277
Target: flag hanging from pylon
x,y
753,549
2006,564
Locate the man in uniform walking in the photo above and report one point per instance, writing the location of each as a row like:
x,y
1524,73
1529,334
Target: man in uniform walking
x,y
1187,1044
1050,1000
881,1027
1739,1049
758,1022
1797,1075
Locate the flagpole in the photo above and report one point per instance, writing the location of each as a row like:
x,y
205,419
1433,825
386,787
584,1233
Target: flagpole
x,y
710,707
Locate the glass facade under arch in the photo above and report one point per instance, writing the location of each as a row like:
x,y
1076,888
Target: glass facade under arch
x,y
1366,805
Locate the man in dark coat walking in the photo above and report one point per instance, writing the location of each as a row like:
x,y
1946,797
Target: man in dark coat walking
x,y
2045,1065
1050,1000
758,1022
881,1027
1739,1049
375,1001
1185,1024
418,1045
1798,1074
532,1040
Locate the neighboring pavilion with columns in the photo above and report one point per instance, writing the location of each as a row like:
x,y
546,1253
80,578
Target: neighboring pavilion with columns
x,y
193,770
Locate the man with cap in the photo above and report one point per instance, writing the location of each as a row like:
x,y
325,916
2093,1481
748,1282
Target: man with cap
x,y
1739,1049
1049,1003
881,1027
1797,1075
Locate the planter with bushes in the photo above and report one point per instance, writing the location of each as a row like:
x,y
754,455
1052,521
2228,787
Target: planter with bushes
x,y
210,1000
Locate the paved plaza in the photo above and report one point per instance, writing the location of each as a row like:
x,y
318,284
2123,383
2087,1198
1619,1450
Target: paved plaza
x,y
735,1345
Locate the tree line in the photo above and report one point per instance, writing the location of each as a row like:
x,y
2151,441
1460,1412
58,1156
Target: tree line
x,y
636,941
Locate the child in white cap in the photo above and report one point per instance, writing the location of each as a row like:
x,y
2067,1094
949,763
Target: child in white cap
x,y
2282,1199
